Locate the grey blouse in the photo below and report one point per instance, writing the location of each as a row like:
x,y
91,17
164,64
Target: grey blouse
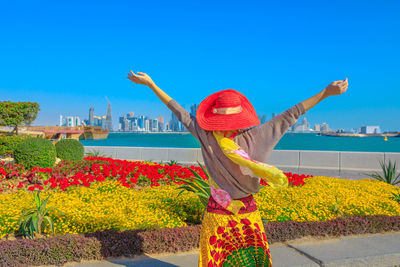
x,y
258,142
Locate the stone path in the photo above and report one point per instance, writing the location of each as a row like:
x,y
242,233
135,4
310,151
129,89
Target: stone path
x,y
368,250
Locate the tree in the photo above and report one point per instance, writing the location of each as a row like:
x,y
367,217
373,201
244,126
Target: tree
x,y
13,114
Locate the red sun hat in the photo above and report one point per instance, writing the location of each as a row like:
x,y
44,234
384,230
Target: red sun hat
x,y
226,110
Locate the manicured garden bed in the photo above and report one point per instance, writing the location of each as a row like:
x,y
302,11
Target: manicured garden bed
x,y
110,243
117,208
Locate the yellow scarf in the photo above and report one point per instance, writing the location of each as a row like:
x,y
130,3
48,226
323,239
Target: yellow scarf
x,y
274,176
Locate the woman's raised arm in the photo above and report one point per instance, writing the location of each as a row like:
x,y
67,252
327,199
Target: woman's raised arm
x,y
267,135
183,116
334,88
143,78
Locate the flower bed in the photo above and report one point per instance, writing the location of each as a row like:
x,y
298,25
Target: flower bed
x,y
131,174
110,205
122,208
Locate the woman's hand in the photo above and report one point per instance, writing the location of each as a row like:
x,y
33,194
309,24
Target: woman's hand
x,y
337,87
334,88
140,78
143,78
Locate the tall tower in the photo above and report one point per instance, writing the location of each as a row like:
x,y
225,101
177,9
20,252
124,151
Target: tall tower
x,y
193,109
108,123
91,116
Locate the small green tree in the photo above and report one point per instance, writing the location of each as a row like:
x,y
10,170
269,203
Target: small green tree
x,y
14,114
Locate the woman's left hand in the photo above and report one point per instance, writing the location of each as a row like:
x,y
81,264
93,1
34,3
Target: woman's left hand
x,y
140,78
337,87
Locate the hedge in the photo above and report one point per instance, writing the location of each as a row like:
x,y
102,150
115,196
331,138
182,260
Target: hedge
x,y
35,152
110,243
70,149
9,143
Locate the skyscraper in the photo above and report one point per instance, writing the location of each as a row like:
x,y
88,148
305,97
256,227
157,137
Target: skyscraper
x,y
174,123
91,116
193,109
263,118
108,123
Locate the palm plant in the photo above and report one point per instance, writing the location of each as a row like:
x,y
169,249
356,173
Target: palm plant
x,y
197,185
32,220
390,174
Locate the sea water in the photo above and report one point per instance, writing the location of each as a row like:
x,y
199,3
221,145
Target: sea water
x,y
290,141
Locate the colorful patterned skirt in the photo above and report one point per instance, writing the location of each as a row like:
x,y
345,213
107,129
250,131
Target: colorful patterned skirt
x,y
227,239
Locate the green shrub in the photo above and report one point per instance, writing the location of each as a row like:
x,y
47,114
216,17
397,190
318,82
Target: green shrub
x,y
35,152
9,143
69,149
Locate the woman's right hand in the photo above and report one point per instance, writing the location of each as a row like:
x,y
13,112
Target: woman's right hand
x,y
337,87
140,78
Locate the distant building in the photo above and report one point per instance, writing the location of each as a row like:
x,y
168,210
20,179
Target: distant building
x,y
147,125
70,122
193,109
77,121
154,125
303,127
61,121
370,130
99,121
108,121
91,116
174,123
325,127
141,122
317,127
263,118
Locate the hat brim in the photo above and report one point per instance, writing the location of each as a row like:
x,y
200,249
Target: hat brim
x,y
210,121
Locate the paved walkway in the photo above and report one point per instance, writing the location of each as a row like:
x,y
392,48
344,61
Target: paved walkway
x,y
368,250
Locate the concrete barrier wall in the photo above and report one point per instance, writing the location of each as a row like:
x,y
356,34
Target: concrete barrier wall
x,y
350,165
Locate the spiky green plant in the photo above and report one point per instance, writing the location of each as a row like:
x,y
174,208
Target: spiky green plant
x,y
33,220
95,153
389,175
396,197
172,162
196,185
335,208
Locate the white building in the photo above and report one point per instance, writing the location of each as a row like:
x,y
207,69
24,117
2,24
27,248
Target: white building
x,y
324,127
147,125
370,130
303,127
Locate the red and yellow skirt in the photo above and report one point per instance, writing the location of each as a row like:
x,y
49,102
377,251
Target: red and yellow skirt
x,y
227,239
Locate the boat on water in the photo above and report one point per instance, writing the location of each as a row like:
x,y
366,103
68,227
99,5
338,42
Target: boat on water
x,y
56,133
94,132
334,134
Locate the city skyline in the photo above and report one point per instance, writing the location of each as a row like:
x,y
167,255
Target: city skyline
x,y
143,123
276,54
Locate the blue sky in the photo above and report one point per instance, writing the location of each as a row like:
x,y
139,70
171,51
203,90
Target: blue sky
x,y
69,55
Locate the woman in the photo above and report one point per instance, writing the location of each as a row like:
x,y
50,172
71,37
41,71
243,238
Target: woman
x,y
234,152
